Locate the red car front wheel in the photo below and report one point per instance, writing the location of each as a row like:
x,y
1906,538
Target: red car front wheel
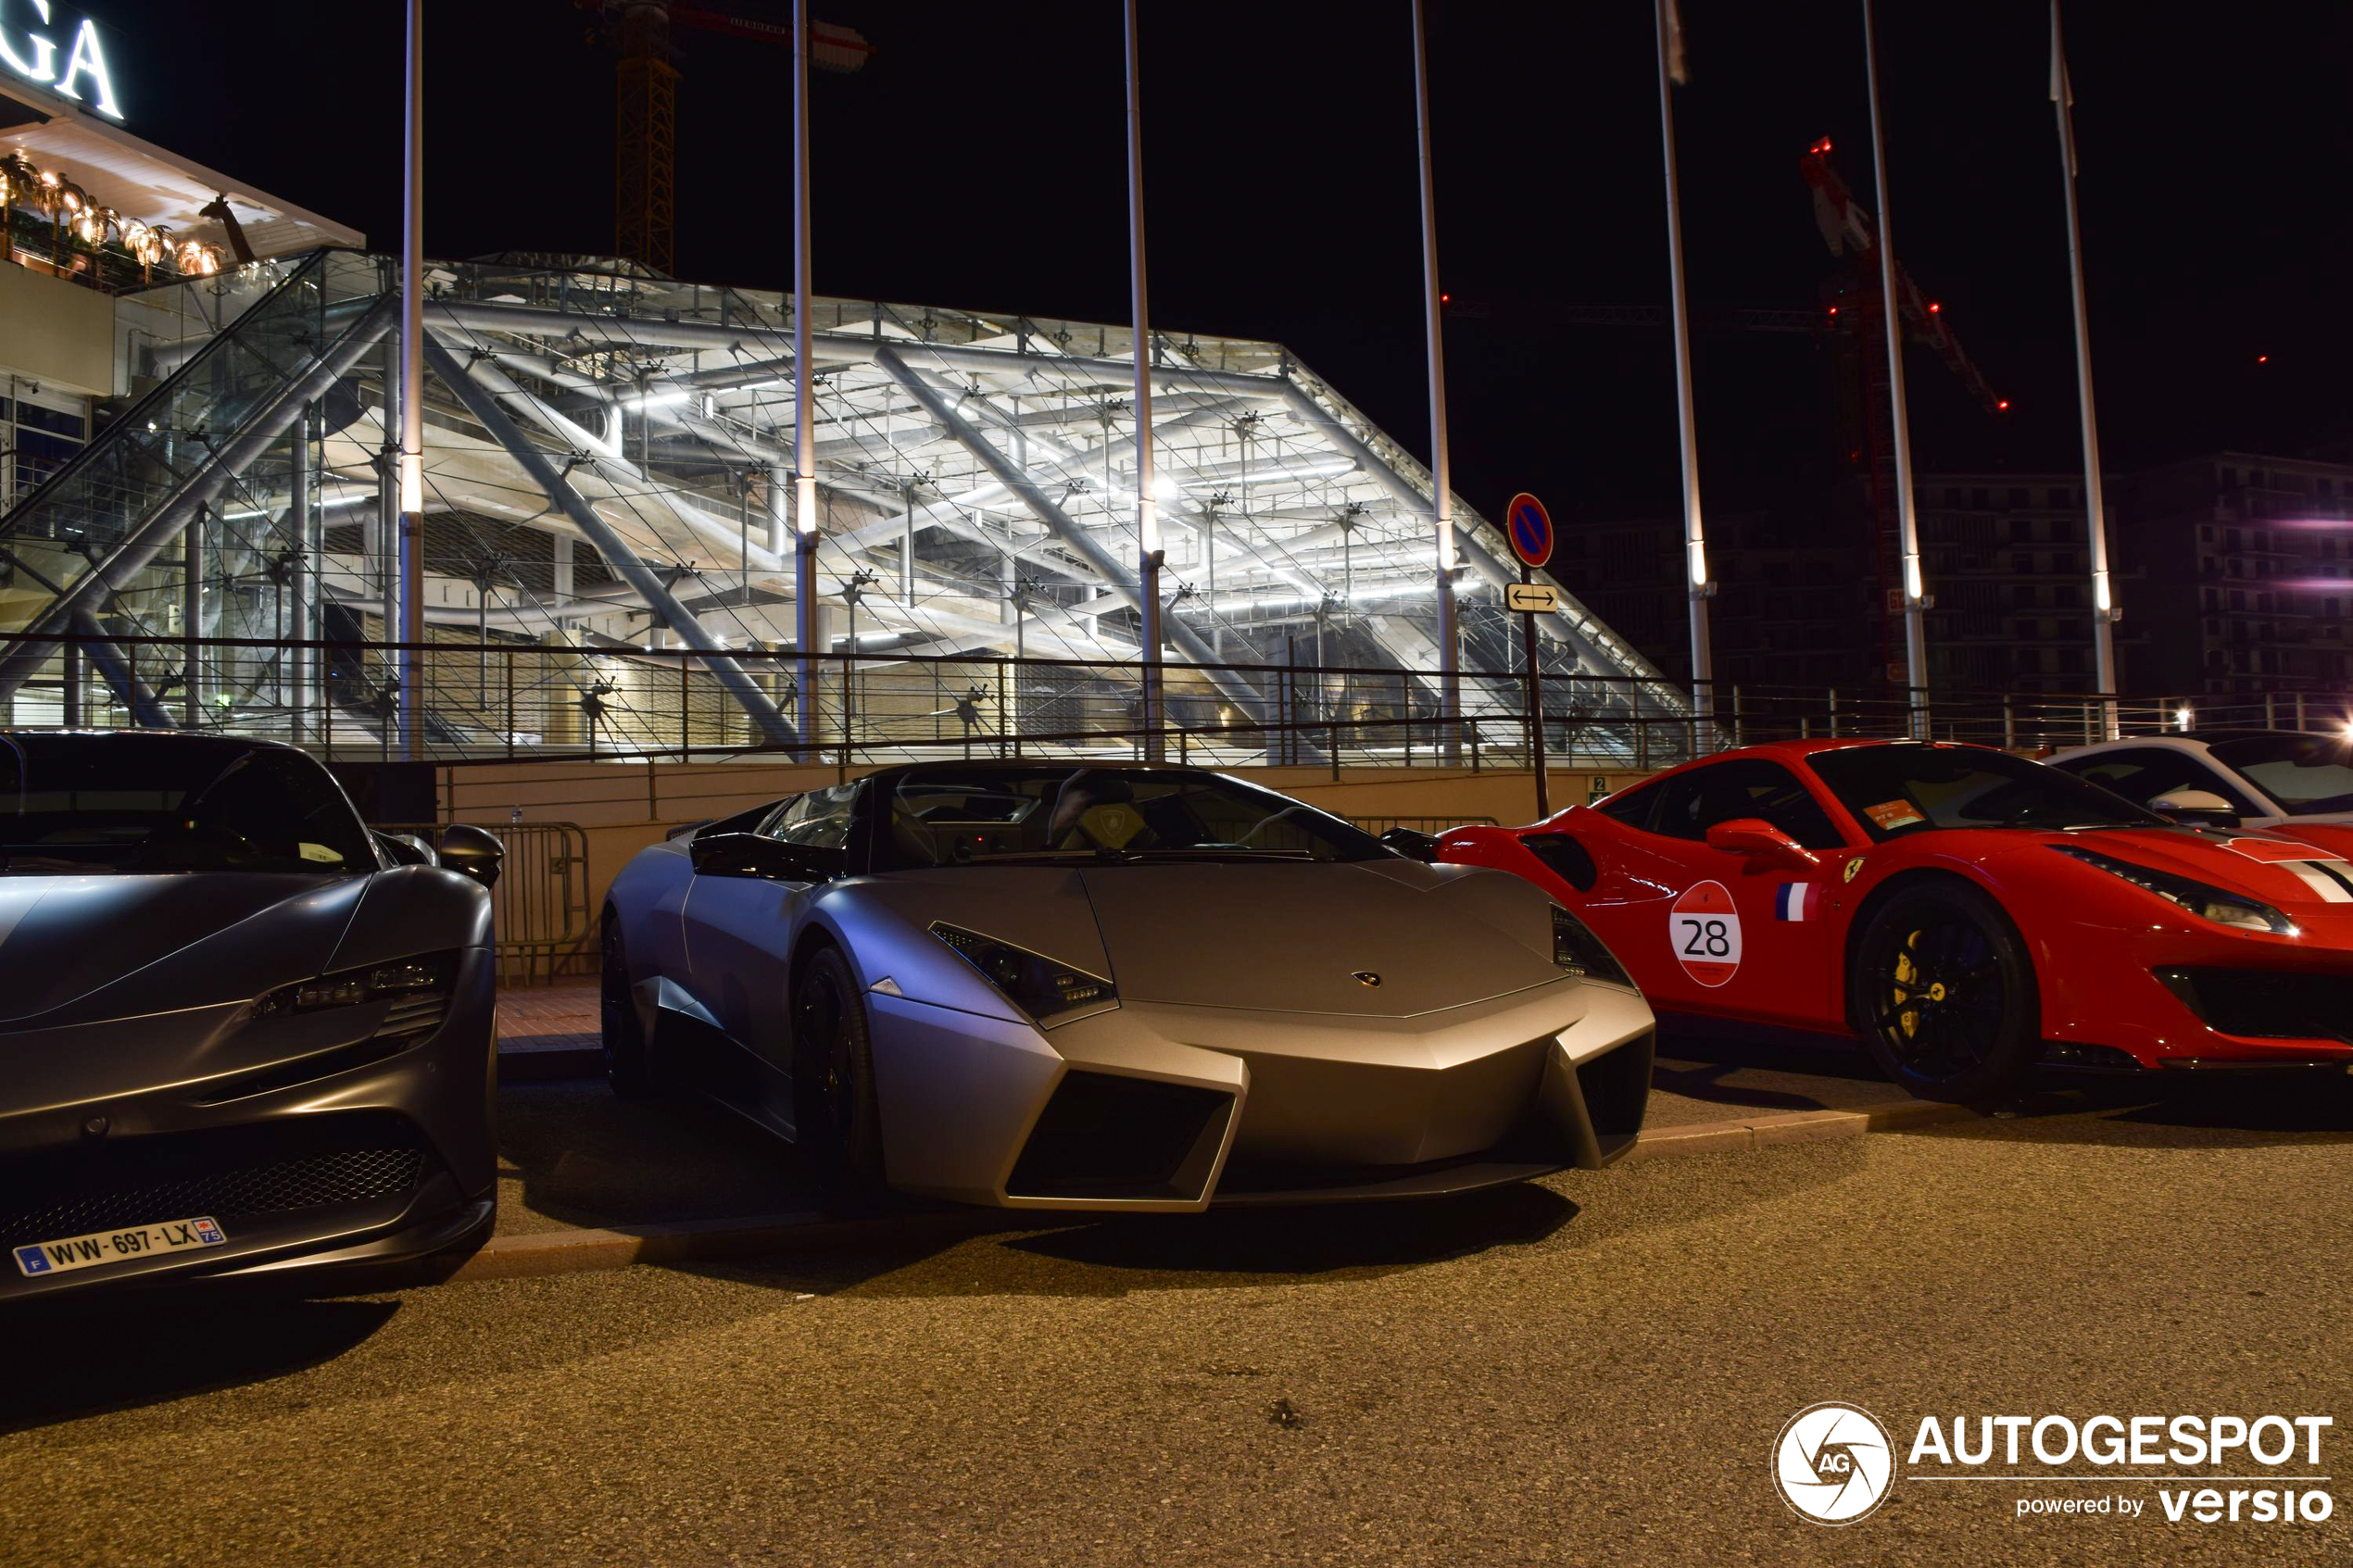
x,y
1942,991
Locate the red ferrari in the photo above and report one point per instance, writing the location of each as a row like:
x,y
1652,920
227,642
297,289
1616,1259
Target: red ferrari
x,y
1964,912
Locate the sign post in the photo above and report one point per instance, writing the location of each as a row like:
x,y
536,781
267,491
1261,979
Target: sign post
x,y
1529,527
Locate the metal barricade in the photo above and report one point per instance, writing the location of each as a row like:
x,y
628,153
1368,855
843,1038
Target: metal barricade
x,y
540,905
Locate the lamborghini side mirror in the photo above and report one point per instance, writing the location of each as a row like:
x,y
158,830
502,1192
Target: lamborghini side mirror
x,y
1413,846
473,851
1760,840
757,855
2201,806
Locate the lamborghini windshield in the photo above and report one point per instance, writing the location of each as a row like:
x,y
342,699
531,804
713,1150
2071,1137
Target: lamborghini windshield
x,y
952,815
74,804
1901,789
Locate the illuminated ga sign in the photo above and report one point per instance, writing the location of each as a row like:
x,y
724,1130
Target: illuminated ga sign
x,y
31,53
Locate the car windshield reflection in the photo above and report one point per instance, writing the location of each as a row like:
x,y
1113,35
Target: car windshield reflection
x,y
1901,789
75,805
1056,814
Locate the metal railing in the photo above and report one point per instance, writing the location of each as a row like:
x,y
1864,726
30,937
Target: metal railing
x,y
527,701
540,904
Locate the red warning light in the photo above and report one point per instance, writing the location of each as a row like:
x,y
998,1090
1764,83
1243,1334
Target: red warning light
x,y
1444,298
1821,146
2262,358
2002,405
1833,309
1934,308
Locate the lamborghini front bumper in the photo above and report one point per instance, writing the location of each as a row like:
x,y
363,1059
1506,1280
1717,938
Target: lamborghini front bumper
x,y
1155,1107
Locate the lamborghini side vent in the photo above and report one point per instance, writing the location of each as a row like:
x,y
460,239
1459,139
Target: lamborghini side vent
x,y
1107,1136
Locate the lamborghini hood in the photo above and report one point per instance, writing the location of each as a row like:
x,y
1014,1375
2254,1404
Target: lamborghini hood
x,y
152,943
1289,937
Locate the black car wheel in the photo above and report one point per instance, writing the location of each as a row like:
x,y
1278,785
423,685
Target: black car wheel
x,y
1942,992
836,1121
626,1067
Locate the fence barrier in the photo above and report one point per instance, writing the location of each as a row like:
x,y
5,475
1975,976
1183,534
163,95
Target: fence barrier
x,y
519,701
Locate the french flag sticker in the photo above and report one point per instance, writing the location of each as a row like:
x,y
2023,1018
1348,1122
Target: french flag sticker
x,y
1798,900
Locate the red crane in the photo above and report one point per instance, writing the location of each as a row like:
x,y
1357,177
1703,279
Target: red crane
x,y
1855,310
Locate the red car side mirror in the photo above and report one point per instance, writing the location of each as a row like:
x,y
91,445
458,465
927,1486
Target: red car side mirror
x,y
1761,840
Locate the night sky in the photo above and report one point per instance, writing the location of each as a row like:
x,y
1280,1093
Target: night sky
x,y
977,162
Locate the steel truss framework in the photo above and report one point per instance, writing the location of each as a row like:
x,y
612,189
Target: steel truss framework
x,y
609,460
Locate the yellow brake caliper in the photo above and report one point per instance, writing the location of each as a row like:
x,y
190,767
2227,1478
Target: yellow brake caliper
x,y
1908,1021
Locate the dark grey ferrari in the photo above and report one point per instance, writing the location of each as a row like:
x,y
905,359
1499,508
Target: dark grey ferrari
x,y
242,1037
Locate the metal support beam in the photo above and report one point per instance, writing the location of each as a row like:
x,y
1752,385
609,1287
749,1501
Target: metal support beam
x,y
134,694
1148,547
295,672
623,560
1450,653
1079,539
165,524
806,620
411,632
1906,514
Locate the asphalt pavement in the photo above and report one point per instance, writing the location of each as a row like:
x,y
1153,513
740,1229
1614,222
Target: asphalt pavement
x,y
1589,1369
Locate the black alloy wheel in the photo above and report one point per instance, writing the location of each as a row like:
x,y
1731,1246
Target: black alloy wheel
x,y
626,1067
836,1119
1942,991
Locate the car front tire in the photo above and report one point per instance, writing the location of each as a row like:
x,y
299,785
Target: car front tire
x,y
836,1119
626,1067
1942,991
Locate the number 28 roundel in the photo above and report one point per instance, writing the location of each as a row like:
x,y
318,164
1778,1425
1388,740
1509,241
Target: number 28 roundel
x,y
1706,930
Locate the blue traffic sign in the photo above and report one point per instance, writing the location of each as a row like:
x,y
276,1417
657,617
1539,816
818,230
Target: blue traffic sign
x,y
1529,527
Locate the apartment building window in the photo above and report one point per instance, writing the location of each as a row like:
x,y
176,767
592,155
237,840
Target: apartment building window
x,y
2022,564
2018,496
1980,497
1952,494
2230,479
2063,561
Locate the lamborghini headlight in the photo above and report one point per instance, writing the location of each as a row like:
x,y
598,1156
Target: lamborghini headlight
x,y
1040,986
1582,954
2207,902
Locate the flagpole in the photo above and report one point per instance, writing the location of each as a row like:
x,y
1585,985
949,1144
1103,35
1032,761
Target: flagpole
x,y
1908,518
2104,612
1694,537
410,482
1147,504
805,605
1449,692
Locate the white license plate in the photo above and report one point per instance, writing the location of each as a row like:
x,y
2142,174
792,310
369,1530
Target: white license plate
x,y
117,1245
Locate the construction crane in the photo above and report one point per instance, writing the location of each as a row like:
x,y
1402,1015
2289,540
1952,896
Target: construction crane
x,y
646,107
1855,308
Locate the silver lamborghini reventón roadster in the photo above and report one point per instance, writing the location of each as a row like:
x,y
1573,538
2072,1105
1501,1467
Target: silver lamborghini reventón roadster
x,y
242,1037
1064,986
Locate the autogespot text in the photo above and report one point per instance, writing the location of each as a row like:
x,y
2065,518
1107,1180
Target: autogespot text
x,y
2254,1452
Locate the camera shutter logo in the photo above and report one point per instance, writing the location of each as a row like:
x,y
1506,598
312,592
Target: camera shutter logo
x,y
1834,1463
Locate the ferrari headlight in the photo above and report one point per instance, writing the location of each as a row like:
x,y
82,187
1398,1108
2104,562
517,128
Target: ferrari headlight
x,y
403,979
1040,986
1578,950
2200,898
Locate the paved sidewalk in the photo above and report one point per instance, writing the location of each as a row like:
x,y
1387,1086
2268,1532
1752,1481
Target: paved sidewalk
x,y
547,1018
